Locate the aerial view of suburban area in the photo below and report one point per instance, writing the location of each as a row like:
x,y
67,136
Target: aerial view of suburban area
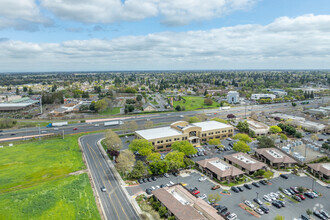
x,y
165,110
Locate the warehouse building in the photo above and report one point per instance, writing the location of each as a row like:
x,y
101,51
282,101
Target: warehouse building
x,y
162,138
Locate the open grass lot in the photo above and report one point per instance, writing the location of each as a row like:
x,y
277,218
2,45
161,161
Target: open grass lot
x,y
64,198
194,102
35,181
113,111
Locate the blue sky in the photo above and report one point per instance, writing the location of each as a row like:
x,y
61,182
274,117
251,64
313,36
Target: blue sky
x,y
46,35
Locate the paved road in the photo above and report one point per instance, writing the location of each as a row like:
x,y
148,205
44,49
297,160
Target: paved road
x,y
114,201
156,118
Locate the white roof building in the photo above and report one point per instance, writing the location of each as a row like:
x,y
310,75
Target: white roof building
x,y
262,96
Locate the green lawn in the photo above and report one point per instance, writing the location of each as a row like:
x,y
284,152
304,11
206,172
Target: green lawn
x,y
194,102
35,181
65,198
113,111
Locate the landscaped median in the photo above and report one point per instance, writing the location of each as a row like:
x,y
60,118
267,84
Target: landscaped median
x,y
38,180
249,210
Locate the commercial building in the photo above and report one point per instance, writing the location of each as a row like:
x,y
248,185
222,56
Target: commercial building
x,y
17,104
184,205
320,170
275,158
244,162
233,97
162,138
148,107
278,92
258,128
322,111
9,97
262,96
219,169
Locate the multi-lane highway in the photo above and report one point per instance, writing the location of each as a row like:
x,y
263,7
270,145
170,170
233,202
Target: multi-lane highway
x,y
156,118
114,202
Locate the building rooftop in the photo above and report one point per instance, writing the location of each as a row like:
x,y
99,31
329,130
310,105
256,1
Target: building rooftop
x,y
211,125
321,167
153,133
245,161
275,155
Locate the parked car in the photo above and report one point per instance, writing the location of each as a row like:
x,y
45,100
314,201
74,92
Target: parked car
x,y
162,186
140,181
267,198
276,204
325,214
235,189
294,189
171,183
201,179
153,188
287,192
75,129
240,188
297,198
264,208
281,202
256,184
247,186
248,203
149,179
291,191
301,196
145,180
263,182
148,191
284,176
305,217
204,196
319,215
175,174
259,211
215,187
196,192
258,201
309,194
232,216
166,175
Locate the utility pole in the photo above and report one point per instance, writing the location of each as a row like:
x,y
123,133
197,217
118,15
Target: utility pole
x,y
257,195
63,134
39,131
40,104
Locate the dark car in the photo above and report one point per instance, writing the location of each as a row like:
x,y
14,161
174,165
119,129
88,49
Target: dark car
x,y
235,189
149,179
294,189
297,198
12,134
140,181
263,182
284,176
309,195
264,208
291,191
240,188
247,186
325,214
319,215
304,217
154,178
276,204
281,202
162,186
222,209
256,184
103,189
231,144
148,191
145,180
175,174
258,201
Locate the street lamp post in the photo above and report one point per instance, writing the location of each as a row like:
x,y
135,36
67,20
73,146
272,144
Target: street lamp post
x,y
257,195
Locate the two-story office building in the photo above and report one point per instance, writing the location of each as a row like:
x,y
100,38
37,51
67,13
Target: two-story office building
x,y
162,138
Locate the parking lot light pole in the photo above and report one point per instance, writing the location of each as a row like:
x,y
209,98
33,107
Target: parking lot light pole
x,y
257,195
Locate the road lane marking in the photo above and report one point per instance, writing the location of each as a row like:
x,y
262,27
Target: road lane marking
x,y
108,180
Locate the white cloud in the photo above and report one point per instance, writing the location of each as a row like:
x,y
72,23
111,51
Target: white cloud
x,y
173,12
20,14
279,44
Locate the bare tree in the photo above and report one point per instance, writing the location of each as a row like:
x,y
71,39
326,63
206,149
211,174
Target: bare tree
x,y
148,124
125,162
133,125
254,116
113,141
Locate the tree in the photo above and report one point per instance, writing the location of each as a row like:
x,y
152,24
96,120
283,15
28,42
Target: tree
x,y
243,137
25,89
139,98
101,105
125,162
300,189
220,120
315,137
175,160
133,125
148,124
243,126
17,91
162,211
266,142
201,117
159,167
283,137
275,129
30,92
309,212
92,106
153,157
268,174
215,142
294,104
112,141
142,146
178,108
138,170
208,101
194,119
185,147
213,198
241,146
279,217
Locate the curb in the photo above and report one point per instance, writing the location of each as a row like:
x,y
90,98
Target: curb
x,y
135,205
96,194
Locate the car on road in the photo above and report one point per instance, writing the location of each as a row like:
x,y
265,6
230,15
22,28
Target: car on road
x,y
103,189
284,176
248,203
258,201
215,187
235,189
247,186
256,184
75,129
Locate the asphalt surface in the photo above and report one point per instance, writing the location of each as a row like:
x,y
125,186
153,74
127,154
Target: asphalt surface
x,y
141,119
114,202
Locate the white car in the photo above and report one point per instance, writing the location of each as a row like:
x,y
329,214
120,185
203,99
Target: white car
x,y
171,183
203,196
316,195
266,197
248,203
158,187
259,211
56,129
232,216
96,125
168,184
201,179
153,188
286,192
166,175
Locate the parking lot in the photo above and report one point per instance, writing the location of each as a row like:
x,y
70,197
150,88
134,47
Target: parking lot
x,y
291,211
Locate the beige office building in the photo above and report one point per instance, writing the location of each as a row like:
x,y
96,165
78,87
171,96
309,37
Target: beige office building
x,y
162,138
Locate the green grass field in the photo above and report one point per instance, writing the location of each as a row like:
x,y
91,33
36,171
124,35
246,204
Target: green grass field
x,y
35,181
194,102
113,111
